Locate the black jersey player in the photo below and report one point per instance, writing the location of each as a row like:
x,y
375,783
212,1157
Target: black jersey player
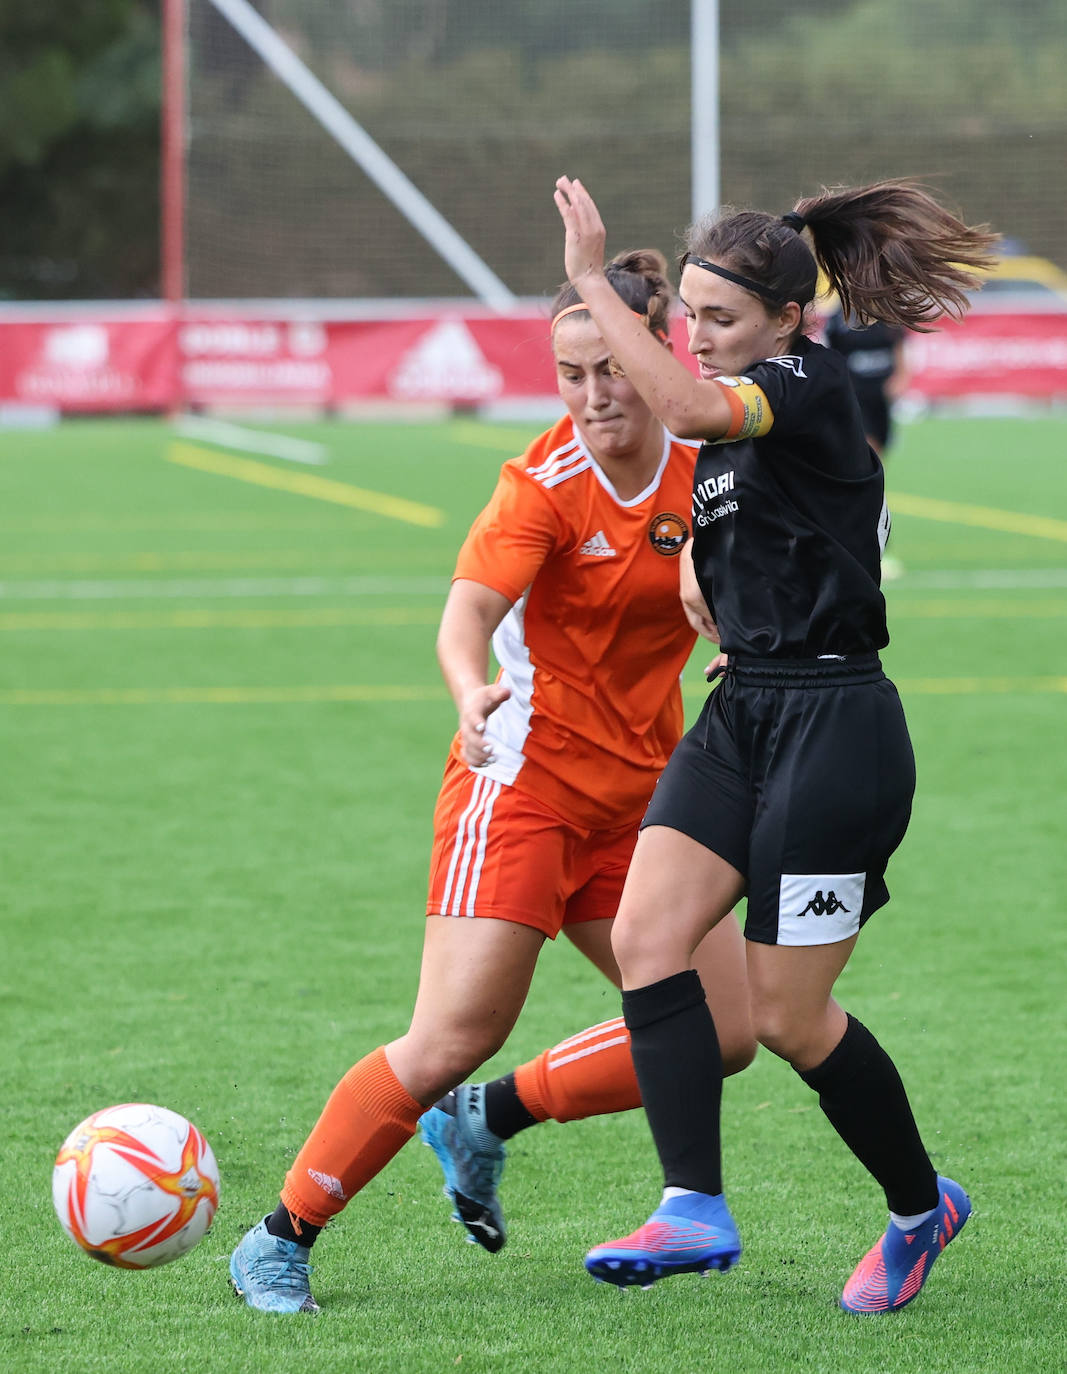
x,y
794,787
874,354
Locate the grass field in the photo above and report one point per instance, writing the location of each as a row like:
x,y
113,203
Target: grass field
x,y
223,731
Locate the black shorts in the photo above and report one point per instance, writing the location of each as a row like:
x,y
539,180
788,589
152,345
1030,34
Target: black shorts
x,y
799,773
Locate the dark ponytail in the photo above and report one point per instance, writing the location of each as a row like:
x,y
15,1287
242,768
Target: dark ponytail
x,y
892,253
889,251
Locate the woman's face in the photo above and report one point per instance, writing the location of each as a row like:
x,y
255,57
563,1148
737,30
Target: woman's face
x,y
729,327
612,417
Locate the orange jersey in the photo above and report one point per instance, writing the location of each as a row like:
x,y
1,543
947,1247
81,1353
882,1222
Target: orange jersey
x,y
596,640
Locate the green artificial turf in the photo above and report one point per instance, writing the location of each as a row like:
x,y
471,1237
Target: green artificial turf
x,y
223,731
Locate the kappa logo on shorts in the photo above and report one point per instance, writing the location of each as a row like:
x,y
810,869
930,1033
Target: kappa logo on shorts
x,y
823,906
819,908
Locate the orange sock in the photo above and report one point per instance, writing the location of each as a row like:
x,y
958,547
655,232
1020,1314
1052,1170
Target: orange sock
x,y
588,1075
368,1117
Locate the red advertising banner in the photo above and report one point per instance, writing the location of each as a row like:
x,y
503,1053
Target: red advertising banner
x,y
99,359
992,355
89,362
447,357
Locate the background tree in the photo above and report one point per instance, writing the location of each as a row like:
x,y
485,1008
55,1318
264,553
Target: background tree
x,y
79,149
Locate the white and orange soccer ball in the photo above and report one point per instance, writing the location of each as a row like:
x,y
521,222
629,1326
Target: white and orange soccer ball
x,y
135,1185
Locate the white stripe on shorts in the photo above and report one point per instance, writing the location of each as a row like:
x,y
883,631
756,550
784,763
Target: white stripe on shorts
x,y
468,848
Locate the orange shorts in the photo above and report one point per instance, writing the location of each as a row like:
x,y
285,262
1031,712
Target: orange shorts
x,y
498,852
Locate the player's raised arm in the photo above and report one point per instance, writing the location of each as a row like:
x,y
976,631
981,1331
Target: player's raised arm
x,y
689,407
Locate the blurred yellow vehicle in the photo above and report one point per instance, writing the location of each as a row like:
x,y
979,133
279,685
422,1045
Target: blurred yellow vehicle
x,y
1018,282
1021,282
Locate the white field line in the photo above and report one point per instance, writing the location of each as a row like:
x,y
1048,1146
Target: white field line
x,y
980,579
120,589
359,692
129,589
228,435
216,617
218,696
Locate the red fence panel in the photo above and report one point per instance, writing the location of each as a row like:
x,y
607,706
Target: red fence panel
x,y
89,362
100,358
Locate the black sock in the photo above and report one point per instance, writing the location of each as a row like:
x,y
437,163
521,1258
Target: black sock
x,y
864,1100
679,1069
282,1224
504,1113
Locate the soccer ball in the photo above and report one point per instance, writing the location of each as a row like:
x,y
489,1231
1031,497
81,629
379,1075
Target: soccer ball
x,y
135,1185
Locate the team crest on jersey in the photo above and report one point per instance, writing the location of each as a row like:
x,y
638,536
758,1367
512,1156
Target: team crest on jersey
x,y
667,533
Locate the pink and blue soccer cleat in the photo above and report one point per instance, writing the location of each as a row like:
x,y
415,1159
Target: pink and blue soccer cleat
x,y
691,1234
892,1272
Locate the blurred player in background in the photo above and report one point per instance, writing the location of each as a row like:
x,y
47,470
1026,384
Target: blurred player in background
x,y
794,787
572,572
874,354
879,374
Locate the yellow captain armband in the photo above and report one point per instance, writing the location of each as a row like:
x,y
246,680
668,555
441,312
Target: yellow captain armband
x,y
750,411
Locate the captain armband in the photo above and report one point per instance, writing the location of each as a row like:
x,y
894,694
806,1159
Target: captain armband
x,y
750,412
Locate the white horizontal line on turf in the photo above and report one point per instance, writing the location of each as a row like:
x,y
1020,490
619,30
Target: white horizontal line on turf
x,y
221,618
356,692
978,608
1003,579
129,589
228,435
214,696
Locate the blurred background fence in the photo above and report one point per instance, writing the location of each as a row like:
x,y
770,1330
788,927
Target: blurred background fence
x,y
483,104
477,105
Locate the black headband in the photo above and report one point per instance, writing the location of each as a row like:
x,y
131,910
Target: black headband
x,y
746,282
795,221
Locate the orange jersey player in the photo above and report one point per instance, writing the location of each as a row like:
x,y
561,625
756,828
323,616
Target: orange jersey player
x,y
594,641
573,573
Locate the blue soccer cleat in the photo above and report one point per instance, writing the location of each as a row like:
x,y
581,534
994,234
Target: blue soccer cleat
x,y
472,1159
690,1234
892,1272
271,1274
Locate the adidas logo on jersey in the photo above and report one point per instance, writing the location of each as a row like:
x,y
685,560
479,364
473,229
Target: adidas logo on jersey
x,y
598,546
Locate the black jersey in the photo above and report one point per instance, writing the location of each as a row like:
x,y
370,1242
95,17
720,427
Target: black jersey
x,y
789,523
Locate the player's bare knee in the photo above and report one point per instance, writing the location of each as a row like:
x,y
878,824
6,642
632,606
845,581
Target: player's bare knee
x,y
458,1059
738,1051
644,955
433,1065
777,1030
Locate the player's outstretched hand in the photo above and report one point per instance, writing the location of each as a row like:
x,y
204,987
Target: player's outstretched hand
x,y
478,706
717,666
584,247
